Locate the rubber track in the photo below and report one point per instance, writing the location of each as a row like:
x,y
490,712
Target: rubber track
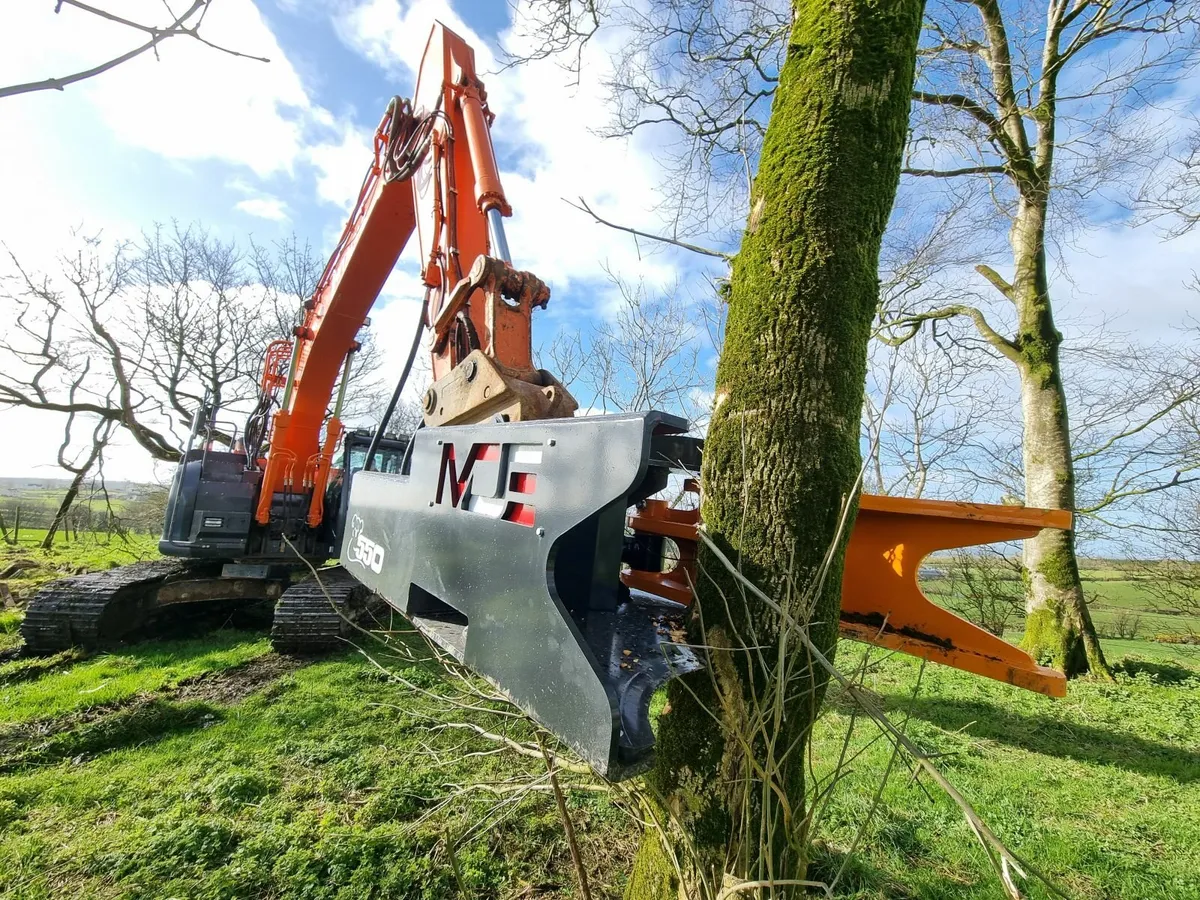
x,y
70,612
311,616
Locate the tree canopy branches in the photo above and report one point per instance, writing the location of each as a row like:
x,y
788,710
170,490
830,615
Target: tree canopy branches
x,y
139,334
186,24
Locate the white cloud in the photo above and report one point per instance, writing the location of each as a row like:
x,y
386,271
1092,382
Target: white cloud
x,y
271,208
1132,278
549,126
191,103
35,454
341,164
392,34
194,104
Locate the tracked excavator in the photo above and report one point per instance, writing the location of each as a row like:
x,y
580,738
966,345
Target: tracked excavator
x,y
531,544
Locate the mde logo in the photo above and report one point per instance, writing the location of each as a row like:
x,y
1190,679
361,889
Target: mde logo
x,y
363,550
494,480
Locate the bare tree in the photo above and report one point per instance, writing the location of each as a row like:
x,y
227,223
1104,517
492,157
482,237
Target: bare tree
x,y
644,356
928,417
1169,546
984,587
1170,192
1040,111
185,24
80,465
60,354
204,321
1166,536
140,335
702,73
1025,102
1134,430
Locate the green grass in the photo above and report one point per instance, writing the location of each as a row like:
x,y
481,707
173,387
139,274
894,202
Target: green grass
x,y
10,625
1114,594
88,546
90,552
1101,790
333,781
121,674
328,783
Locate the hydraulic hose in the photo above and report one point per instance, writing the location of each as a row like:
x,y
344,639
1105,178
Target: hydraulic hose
x,y
369,465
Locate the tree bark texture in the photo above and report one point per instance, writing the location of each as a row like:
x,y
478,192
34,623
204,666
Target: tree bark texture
x,y
782,453
1058,626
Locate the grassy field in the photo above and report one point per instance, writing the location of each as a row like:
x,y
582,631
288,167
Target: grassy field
x,y
1100,791
31,566
268,779
212,768
1122,601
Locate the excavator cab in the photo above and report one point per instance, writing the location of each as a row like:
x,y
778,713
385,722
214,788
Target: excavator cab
x,y
389,458
216,489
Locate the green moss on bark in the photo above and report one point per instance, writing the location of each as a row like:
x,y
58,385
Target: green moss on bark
x,y
1049,641
782,451
1059,629
1060,569
1058,626
653,872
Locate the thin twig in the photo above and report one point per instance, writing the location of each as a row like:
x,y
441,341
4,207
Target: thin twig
x,y
582,205
516,746
580,872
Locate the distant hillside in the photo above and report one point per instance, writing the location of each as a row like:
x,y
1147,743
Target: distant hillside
x,y
37,488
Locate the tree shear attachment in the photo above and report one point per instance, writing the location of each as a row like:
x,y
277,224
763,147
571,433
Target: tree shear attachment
x,y
882,603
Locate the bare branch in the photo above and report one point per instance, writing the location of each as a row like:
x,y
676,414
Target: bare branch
x,y
179,27
955,173
583,206
995,280
909,325
141,336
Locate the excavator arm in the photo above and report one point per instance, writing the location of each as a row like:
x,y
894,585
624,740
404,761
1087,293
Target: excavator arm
x,y
434,171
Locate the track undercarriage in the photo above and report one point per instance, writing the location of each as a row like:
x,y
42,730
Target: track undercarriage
x,y
104,609
318,615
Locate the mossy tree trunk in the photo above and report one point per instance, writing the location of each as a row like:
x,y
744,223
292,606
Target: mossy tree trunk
x,y
1058,626
782,452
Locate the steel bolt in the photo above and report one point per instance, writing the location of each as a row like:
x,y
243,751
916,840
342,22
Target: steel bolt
x,y
430,400
470,369
540,532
